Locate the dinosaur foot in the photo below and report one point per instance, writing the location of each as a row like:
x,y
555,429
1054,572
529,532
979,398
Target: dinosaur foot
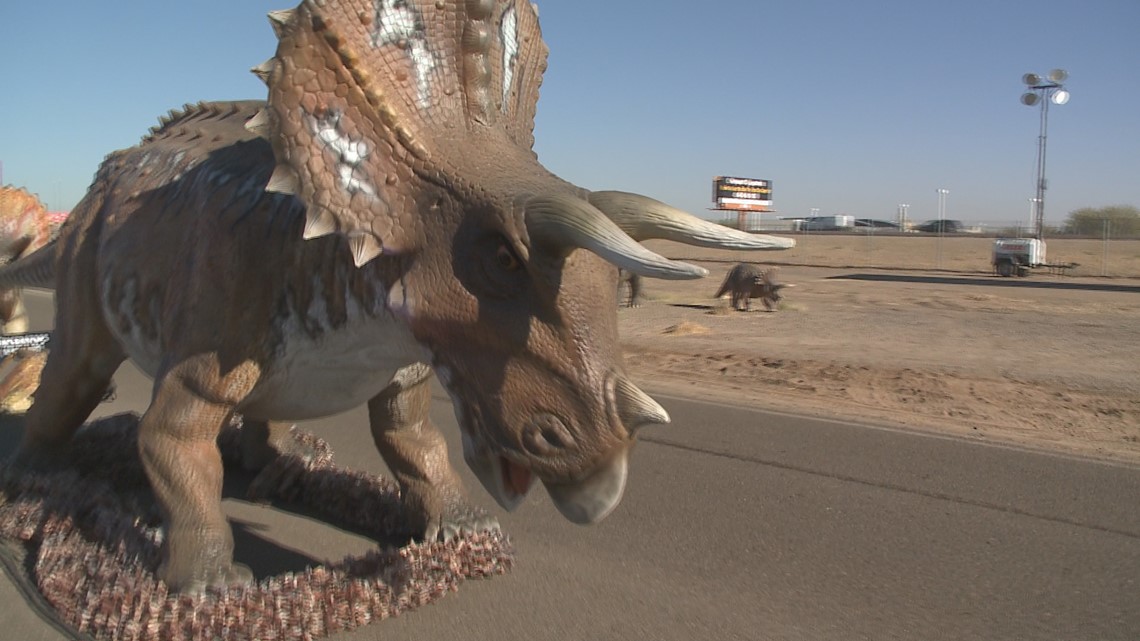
x,y
458,520
200,581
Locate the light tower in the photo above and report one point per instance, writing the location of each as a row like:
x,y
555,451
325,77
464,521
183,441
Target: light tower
x,y
1043,91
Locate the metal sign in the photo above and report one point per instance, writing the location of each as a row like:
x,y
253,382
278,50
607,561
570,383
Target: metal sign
x,y
746,194
36,341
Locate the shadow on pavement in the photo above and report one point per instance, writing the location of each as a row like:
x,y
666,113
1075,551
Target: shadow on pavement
x,y
264,556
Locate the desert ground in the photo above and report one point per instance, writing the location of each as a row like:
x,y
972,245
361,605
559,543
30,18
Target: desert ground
x,y
912,332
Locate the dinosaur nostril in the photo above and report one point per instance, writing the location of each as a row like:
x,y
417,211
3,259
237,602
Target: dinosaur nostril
x,y
545,434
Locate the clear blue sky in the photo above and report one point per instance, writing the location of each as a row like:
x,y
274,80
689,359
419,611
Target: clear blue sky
x,y
847,106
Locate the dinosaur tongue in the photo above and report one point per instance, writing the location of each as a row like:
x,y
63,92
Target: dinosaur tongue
x,y
516,478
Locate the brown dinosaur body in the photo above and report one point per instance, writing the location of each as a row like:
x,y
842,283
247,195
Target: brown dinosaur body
x,y
25,226
381,217
746,281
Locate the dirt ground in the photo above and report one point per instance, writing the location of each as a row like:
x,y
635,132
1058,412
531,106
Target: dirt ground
x,y
1044,361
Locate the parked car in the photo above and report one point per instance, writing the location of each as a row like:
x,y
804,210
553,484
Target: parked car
x,y
946,226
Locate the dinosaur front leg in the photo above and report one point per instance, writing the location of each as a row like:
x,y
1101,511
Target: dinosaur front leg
x,y
433,496
177,443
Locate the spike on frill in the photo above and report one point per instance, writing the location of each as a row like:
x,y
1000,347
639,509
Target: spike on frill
x,y
283,181
264,69
364,247
259,124
281,20
319,222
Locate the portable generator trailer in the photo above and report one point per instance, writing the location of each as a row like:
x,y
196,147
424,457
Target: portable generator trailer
x,y
1016,256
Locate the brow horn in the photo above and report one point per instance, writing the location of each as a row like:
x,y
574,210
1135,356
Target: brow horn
x,y
568,222
643,218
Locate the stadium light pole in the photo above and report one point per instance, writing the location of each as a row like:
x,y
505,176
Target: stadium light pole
x,y
1043,91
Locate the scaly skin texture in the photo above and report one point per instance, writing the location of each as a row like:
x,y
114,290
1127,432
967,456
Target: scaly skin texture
x,y
745,282
24,227
381,217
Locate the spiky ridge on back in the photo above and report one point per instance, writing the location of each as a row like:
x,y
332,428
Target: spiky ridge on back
x,y
179,122
365,95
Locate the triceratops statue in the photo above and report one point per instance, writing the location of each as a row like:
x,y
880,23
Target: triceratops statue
x,y
380,217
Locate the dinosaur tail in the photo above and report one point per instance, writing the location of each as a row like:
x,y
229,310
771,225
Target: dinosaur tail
x,y
35,270
726,285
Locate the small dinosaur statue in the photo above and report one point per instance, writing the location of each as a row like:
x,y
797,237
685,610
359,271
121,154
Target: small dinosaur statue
x,y
630,284
746,281
25,226
381,217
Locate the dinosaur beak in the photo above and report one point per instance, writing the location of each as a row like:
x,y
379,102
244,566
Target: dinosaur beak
x,y
592,498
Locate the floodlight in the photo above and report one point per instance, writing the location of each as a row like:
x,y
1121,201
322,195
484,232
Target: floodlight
x,y
1031,79
1029,98
1060,97
1058,76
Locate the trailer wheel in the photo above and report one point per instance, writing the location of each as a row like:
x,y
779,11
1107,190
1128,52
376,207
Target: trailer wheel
x,y
1004,268
1022,271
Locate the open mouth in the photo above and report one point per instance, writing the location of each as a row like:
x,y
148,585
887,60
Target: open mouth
x,y
517,480
586,500
506,481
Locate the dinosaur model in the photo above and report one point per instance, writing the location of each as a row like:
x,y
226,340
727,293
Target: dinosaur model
x,y
381,217
630,284
25,226
746,281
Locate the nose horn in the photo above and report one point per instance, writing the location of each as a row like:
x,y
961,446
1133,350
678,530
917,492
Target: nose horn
x,y
635,408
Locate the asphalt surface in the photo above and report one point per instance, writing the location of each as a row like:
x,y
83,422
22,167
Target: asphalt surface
x,y
742,524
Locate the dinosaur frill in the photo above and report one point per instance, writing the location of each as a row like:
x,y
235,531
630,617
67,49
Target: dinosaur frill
x,y
366,95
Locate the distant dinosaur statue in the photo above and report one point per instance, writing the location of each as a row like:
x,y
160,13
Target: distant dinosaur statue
x,y
746,281
25,226
629,283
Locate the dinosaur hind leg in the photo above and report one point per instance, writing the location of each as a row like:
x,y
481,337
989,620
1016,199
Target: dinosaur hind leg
x,y
76,375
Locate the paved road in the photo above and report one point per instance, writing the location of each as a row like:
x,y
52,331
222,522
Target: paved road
x,y
740,524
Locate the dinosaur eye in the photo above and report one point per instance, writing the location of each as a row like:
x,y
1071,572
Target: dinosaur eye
x,y
490,266
506,258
